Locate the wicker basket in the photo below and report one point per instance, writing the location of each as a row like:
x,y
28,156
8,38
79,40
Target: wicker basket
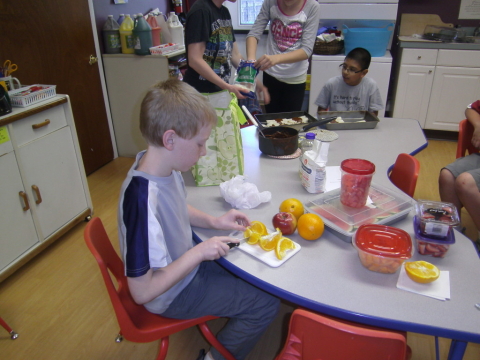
x,y
328,48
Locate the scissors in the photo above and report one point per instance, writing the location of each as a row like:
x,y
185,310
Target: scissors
x,y
9,68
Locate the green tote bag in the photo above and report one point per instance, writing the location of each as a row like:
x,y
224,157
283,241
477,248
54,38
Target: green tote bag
x,y
224,158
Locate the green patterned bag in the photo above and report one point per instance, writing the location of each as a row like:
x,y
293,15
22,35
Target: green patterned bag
x,y
224,158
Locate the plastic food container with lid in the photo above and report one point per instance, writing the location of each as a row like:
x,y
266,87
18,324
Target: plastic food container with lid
x,y
382,248
436,218
431,246
356,178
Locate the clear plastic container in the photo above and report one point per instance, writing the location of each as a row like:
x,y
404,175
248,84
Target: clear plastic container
x,y
382,248
436,218
387,207
430,246
356,178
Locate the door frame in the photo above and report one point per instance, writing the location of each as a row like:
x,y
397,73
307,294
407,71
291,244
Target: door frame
x,y
102,78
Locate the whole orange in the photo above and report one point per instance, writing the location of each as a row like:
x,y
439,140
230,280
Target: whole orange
x,y
293,206
310,226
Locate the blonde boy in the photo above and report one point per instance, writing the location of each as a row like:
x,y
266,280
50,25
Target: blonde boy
x,y
166,271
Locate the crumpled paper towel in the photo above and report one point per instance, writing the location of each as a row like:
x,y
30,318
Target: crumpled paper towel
x,y
243,195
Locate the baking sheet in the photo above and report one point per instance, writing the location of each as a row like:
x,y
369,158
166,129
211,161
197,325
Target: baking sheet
x,y
351,119
262,118
267,257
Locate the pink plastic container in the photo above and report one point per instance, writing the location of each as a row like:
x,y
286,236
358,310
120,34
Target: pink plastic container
x,y
356,178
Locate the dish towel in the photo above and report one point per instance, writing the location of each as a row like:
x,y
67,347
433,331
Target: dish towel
x,y
439,289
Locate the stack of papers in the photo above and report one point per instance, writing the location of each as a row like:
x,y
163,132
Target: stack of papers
x,y
439,289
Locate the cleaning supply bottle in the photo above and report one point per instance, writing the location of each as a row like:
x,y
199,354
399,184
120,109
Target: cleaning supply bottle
x,y
126,37
156,30
111,36
166,37
120,19
176,29
306,145
142,36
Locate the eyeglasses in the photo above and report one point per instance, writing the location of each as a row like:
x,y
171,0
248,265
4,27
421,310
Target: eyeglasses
x,y
343,67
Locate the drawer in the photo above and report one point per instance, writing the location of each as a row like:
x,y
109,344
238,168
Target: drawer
x,y
459,58
419,56
38,125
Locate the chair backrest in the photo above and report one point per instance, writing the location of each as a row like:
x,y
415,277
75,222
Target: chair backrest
x,y
129,314
404,174
313,336
464,144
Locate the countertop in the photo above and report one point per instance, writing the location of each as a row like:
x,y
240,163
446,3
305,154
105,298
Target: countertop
x,y
411,42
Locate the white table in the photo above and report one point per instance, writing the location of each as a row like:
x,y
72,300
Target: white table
x,y
326,275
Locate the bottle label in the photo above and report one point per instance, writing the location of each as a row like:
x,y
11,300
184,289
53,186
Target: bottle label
x,y
129,41
113,41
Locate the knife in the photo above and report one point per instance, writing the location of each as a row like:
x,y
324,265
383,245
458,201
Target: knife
x,y
232,244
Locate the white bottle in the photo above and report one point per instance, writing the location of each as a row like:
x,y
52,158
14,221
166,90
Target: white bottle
x,y
165,31
176,29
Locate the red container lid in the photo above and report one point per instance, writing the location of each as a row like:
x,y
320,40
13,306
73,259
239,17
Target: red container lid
x,y
358,166
383,240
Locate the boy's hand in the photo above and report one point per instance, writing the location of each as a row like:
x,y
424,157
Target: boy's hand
x,y
232,220
215,247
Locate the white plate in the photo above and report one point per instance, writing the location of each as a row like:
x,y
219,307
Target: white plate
x,y
268,257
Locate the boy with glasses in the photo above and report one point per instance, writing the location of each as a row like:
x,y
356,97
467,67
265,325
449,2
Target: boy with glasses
x,y
351,91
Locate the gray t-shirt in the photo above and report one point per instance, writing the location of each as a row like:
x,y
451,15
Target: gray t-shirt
x,y
154,227
336,95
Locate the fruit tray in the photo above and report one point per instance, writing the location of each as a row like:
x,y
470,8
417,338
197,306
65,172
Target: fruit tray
x,y
386,207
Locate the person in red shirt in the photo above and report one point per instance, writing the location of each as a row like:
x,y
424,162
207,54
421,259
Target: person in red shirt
x,y
459,182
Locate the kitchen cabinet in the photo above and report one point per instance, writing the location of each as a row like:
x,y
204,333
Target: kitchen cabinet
x,y
128,78
434,86
44,191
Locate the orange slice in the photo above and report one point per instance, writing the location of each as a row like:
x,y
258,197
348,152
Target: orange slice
x,y
255,227
283,245
253,239
269,242
422,271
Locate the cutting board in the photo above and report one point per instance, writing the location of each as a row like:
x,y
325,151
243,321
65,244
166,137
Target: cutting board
x,y
415,23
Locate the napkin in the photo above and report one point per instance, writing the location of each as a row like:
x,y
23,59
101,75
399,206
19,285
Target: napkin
x,y
243,195
439,289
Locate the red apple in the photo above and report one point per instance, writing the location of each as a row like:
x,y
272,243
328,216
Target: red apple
x,y
286,222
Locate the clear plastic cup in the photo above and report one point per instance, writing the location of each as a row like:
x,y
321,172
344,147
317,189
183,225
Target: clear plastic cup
x,y
356,178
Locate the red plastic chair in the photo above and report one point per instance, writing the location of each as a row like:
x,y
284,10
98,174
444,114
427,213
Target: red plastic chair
x,y
404,174
313,336
13,334
464,144
136,323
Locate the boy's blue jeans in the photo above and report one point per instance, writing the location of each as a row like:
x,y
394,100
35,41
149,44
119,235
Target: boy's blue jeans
x,y
215,291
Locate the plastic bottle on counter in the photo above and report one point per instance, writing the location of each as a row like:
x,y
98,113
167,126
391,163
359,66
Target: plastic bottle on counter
x,y
126,37
176,29
111,36
305,145
142,36
166,37
156,30
120,19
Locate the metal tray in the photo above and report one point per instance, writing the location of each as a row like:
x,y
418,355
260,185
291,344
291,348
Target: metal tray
x,y
351,119
262,118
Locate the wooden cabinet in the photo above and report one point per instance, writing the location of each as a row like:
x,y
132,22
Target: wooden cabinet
x,y
44,191
435,86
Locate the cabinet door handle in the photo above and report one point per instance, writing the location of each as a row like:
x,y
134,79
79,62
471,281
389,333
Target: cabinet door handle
x,y
430,71
42,124
36,190
419,58
24,197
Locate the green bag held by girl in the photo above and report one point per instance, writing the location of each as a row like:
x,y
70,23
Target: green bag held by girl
x,y
224,158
